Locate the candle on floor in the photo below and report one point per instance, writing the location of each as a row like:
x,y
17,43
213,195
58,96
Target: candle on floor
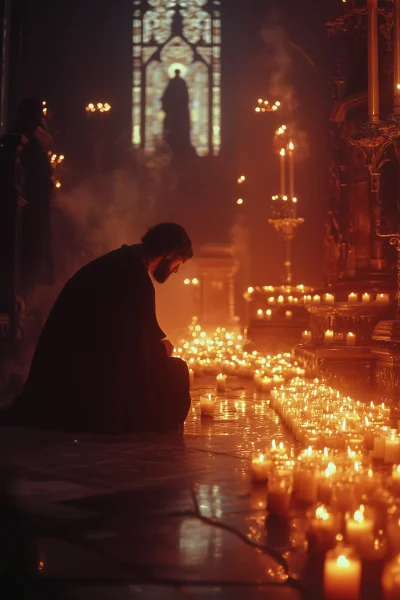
x,y
342,574
221,382
261,467
279,495
281,299
328,336
382,298
329,298
366,297
351,339
317,299
391,579
323,528
352,297
207,405
392,448
358,528
268,314
306,336
260,313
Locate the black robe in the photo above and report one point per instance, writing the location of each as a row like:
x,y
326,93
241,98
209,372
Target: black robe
x,y
100,365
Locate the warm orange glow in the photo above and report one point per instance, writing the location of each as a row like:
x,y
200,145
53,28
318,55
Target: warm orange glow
x,y
291,146
239,201
58,184
282,152
186,281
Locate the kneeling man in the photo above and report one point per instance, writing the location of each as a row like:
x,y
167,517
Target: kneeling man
x,y
102,364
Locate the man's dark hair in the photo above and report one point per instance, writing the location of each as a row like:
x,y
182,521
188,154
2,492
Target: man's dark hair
x,y
167,238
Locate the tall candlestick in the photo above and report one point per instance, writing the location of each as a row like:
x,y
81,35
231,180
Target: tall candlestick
x,y
396,56
283,179
373,65
291,171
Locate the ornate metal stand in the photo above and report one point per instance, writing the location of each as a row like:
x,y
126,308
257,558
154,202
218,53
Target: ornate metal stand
x,y
285,222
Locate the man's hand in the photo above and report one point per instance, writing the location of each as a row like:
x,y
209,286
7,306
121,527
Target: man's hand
x,y
168,347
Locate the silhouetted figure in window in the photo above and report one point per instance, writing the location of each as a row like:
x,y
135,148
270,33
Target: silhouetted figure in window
x,y
175,104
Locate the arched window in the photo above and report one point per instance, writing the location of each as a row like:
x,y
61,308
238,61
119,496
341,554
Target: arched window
x,y
170,35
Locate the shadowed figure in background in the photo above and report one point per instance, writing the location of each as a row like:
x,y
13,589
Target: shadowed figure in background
x,y
102,364
175,104
36,252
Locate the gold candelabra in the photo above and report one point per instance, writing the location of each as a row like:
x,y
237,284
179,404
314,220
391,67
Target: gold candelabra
x,y
285,222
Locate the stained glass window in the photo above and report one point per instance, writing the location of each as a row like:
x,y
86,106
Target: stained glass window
x,y
170,35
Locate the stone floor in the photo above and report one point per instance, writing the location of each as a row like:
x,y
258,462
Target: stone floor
x,y
157,517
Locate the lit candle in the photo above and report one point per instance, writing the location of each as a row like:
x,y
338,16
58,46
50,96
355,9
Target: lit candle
x,y
260,314
291,170
366,297
323,529
288,314
191,377
261,467
221,382
281,299
392,448
352,297
282,154
396,477
207,405
358,528
329,298
342,575
382,298
268,314
328,336
317,299
306,336
351,339
391,579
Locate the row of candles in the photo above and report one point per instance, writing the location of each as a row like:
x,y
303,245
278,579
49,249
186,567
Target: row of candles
x,y
352,298
331,336
348,479
222,353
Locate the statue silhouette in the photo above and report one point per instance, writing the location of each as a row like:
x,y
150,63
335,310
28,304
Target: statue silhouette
x,y
175,104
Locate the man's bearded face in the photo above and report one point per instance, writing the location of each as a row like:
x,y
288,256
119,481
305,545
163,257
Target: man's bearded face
x,y
165,268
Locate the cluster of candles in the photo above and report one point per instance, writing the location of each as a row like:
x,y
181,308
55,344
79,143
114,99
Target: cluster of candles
x,y
347,481
222,354
331,336
265,106
98,107
352,298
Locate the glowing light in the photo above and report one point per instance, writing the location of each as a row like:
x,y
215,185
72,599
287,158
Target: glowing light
x,y
282,152
195,281
250,290
294,200
58,184
239,201
186,281
291,146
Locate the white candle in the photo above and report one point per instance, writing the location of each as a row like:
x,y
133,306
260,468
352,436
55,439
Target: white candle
x,y
306,336
351,339
329,298
260,314
221,382
268,314
207,405
392,448
358,528
391,579
342,575
352,297
281,299
317,299
328,336
323,529
366,297
382,298
261,467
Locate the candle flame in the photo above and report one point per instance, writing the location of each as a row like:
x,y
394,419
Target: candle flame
x,y
358,516
322,513
282,152
261,458
342,561
291,146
